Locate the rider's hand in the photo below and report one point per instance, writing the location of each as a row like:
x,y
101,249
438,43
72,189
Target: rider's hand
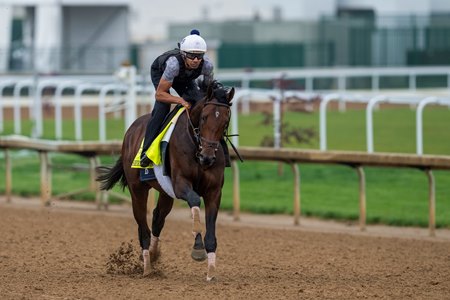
x,y
186,104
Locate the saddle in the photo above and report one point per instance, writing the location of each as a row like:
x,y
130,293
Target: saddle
x,y
157,152
154,151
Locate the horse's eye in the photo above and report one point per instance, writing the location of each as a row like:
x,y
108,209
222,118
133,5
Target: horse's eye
x,y
204,118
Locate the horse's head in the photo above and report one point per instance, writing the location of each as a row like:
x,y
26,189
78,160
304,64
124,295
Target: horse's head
x,y
213,122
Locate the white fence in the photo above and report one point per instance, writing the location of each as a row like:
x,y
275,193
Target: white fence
x,y
124,83
340,74
127,83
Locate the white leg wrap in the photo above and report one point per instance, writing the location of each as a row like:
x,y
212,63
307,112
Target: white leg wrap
x,y
211,258
211,266
146,256
154,241
196,225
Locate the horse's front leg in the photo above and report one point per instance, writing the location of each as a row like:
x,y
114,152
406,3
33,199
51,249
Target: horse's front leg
x,y
193,199
212,205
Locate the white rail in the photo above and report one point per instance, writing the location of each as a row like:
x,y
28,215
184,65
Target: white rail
x,y
419,119
17,107
369,120
323,119
101,107
341,74
77,107
58,104
3,85
80,84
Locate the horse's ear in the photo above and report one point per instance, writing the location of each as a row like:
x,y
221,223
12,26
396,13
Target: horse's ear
x,y
210,91
230,95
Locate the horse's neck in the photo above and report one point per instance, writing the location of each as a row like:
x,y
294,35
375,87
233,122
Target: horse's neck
x,y
195,113
185,128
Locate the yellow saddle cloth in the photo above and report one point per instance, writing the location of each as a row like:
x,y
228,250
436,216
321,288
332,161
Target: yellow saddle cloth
x,y
154,151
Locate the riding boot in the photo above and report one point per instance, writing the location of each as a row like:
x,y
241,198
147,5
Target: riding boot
x,y
148,140
226,153
151,132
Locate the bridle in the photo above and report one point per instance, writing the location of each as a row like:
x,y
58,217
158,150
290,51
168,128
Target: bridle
x,y
202,142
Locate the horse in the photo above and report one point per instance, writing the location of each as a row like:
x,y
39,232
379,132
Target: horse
x,y
196,166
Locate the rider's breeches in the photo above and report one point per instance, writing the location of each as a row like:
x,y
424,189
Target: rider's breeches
x,y
159,113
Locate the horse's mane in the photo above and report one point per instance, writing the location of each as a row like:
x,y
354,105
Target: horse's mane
x,y
195,94
220,92
198,94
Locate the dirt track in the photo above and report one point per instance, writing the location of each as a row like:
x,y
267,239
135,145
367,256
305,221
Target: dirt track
x,y
60,253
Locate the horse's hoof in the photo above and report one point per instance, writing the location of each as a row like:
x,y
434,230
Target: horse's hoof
x,y
147,265
199,254
154,249
154,256
211,276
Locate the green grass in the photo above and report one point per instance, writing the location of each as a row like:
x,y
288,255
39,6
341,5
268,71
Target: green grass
x,y
394,196
114,129
394,130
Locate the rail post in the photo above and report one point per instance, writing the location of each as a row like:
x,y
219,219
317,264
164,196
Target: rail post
x,y
94,186
8,175
362,198
431,203
45,178
297,203
236,190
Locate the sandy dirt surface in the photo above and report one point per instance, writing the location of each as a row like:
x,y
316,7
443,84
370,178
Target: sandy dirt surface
x,y
72,251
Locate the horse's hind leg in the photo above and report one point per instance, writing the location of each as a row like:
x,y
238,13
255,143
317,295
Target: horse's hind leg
x,y
139,194
162,209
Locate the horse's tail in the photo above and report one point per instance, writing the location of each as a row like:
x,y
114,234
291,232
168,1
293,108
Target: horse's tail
x,y
109,176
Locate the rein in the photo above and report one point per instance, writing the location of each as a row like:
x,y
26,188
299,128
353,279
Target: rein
x,y
225,134
199,140
196,130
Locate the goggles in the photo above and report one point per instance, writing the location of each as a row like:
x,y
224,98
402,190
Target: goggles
x,y
193,56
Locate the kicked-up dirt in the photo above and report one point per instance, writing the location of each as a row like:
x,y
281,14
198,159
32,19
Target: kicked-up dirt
x,y
77,252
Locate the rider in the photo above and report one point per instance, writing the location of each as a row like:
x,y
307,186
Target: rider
x,y
177,69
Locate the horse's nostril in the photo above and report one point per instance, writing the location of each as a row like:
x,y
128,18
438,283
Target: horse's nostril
x,y
206,161
211,161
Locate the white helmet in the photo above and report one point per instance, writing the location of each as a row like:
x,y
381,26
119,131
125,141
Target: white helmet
x,y
193,43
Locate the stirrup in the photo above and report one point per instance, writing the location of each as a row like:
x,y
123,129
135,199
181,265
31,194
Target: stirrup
x,y
145,161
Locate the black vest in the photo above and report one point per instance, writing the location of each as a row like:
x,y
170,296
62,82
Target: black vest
x,y
184,77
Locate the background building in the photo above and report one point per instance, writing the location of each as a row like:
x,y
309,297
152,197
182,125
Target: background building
x,y
347,33
57,36
49,36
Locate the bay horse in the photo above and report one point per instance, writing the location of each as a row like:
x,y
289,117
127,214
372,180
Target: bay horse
x,y
197,164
